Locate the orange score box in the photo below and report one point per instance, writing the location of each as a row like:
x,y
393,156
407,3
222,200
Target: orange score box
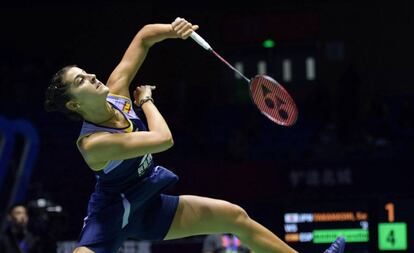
x,y
340,216
292,237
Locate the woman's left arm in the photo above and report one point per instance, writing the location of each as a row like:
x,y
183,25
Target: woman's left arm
x,y
121,77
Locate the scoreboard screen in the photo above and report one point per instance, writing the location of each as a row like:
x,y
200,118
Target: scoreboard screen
x,y
313,226
369,225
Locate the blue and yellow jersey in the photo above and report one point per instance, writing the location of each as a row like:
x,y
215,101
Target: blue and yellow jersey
x,y
117,175
126,187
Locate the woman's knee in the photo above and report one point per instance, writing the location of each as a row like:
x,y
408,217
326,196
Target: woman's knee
x,y
240,214
238,218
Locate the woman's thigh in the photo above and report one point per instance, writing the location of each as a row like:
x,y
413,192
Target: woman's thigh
x,y
199,215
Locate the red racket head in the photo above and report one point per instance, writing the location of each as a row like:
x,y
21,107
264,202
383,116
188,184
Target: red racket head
x,y
273,100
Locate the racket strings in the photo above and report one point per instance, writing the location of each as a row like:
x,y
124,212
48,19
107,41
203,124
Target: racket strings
x,y
283,111
273,101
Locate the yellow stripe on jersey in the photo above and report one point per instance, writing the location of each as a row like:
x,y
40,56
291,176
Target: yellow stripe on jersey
x,y
130,128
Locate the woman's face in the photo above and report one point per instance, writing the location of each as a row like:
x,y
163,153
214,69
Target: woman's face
x,y
84,87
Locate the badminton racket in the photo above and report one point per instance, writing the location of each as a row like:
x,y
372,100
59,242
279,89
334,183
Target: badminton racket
x,y
267,94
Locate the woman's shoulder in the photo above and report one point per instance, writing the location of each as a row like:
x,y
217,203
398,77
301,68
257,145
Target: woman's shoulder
x,y
84,143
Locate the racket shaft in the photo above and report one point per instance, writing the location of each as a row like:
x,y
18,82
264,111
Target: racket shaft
x,y
197,38
230,66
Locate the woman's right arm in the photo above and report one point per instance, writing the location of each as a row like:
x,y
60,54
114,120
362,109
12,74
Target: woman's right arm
x,y
102,147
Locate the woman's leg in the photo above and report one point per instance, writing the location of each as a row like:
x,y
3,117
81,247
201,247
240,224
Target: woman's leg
x,y
82,250
198,215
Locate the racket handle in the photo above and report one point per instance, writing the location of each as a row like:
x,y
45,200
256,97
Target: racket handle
x,y
200,41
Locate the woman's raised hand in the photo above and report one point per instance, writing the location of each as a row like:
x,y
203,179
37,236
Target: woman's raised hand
x,y
183,28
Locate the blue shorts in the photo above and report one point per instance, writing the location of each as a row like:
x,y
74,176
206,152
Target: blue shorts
x,y
141,213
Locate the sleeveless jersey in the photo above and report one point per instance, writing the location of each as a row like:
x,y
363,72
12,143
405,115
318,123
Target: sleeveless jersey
x,y
123,187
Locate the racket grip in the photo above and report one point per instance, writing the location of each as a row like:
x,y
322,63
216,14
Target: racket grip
x,y
200,41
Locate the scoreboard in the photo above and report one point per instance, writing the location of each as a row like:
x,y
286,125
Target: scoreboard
x,y
395,220
369,225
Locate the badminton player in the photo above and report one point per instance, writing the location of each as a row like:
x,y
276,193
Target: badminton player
x,y
128,201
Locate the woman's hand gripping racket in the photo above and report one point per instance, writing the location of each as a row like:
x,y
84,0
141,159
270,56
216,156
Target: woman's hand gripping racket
x,y
269,96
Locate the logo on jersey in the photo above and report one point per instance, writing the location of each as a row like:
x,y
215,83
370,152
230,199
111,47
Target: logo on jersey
x,y
127,107
145,163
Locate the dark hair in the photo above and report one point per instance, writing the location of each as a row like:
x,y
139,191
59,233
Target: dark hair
x,y
57,95
11,209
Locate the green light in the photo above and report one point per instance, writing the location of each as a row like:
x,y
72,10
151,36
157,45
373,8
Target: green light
x,y
269,43
392,236
351,235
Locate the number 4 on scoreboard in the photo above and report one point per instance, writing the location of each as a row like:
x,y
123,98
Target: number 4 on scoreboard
x,y
392,236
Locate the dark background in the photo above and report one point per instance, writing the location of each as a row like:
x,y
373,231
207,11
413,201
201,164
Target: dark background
x,y
353,138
